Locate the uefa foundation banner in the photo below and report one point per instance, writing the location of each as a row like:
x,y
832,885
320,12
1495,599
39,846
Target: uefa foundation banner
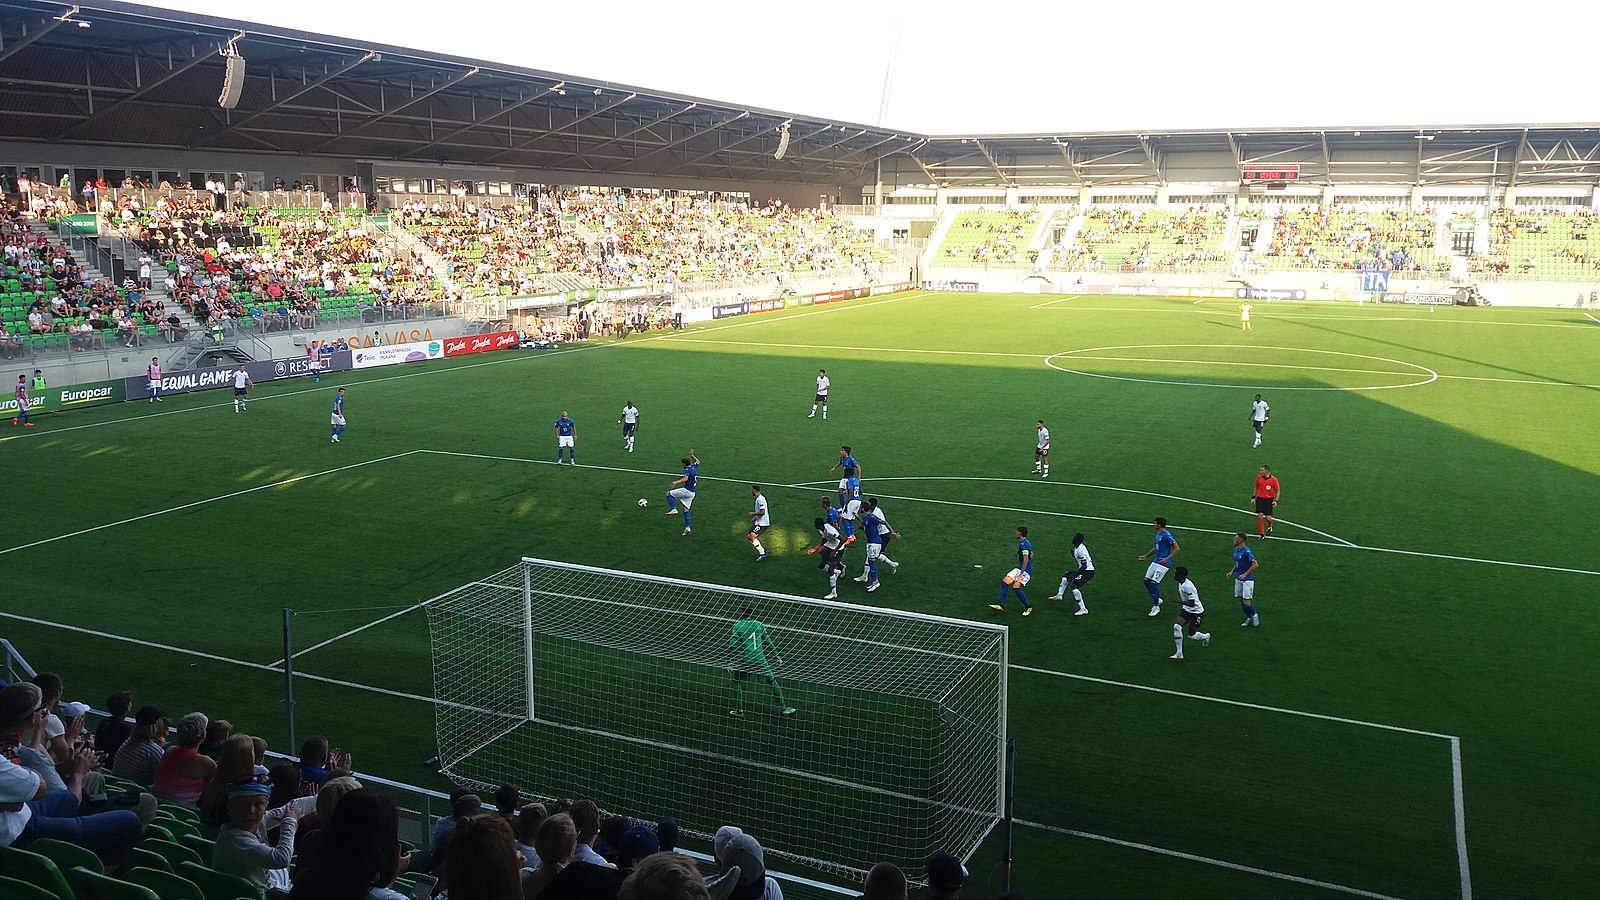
x,y
394,354
211,377
93,393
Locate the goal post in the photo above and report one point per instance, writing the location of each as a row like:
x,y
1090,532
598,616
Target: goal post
x,y
577,681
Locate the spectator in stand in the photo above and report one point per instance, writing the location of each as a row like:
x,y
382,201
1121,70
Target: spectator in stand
x,y
671,876
612,828
667,833
114,728
885,882
524,827
463,803
634,846
946,874
286,785
29,808
482,863
235,762
586,818
360,856
506,800
554,842
317,764
217,731
242,847
259,745
139,755
59,736
740,853
313,827
183,772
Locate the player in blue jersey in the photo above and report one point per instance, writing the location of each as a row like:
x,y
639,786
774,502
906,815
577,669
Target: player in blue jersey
x,y
849,507
830,514
852,469
338,416
1244,580
683,489
878,534
566,437
1166,546
1018,578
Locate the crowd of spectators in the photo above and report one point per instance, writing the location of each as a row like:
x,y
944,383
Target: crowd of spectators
x,y
617,238
992,236
312,829
60,297
1386,238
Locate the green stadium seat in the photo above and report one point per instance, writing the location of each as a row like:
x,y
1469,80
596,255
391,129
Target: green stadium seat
x,y
148,859
36,870
203,846
219,885
95,886
177,826
174,854
181,813
66,856
157,832
17,889
166,885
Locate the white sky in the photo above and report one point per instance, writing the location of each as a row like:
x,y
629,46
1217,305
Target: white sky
x,y
999,66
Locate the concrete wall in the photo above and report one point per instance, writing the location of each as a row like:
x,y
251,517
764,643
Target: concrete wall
x,y
75,368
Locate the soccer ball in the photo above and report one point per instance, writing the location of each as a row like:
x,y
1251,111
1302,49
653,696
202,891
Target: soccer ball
x,y
643,502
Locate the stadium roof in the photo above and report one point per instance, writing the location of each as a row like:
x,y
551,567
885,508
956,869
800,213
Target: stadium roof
x,y
120,74
128,75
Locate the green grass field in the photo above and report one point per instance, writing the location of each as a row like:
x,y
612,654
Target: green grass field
x,y
1426,603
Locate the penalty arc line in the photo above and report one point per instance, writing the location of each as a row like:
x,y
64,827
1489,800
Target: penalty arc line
x,y
1591,318
1460,815
191,505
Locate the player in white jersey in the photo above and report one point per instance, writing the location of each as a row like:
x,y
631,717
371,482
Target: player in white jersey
x,y
1079,578
832,547
760,521
1258,416
241,388
1041,452
822,394
629,423
1244,316
1191,612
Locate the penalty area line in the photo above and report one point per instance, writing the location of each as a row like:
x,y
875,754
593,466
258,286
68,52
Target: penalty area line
x,y
172,509
1207,860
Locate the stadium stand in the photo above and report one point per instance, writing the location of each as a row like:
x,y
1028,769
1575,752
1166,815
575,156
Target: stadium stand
x,y
1541,245
1339,237
335,832
990,237
1119,239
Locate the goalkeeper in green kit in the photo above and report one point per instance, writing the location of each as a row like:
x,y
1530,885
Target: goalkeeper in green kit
x,y
748,644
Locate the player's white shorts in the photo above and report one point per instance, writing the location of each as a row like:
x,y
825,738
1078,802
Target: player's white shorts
x,y
684,496
844,484
852,509
874,551
314,365
336,420
1244,590
564,440
1019,577
152,386
1155,573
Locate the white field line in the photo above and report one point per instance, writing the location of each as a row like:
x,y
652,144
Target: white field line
x,y
1353,318
1097,487
1208,860
179,508
1041,356
278,395
1461,819
1335,542
1455,746
1591,318
520,357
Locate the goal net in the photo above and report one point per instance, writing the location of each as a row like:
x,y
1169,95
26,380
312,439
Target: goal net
x,y
573,681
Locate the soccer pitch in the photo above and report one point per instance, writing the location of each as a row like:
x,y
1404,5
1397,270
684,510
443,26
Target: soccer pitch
x,y
1413,718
